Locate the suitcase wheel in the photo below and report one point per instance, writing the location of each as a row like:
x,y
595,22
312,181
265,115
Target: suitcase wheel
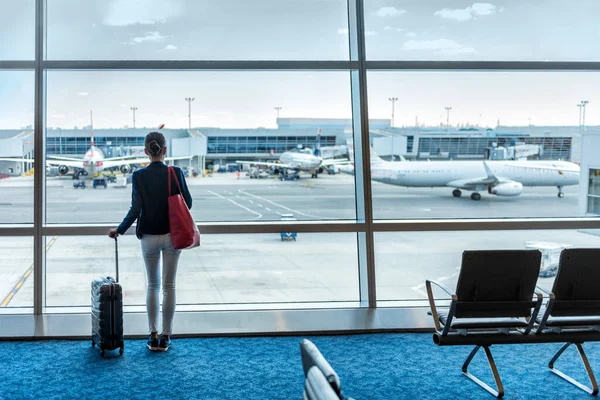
x,y
121,350
93,343
102,353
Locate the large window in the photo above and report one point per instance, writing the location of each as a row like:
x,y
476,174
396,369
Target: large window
x,y
16,273
197,30
104,105
385,137
554,30
406,260
226,270
17,24
16,147
504,139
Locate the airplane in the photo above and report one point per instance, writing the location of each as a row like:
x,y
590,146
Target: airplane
x,y
301,161
500,178
92,163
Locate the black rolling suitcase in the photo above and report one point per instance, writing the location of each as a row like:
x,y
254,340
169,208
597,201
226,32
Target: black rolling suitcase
x,y
107,311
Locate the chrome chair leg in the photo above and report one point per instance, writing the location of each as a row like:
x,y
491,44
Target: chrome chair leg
x,y
500,392
594,390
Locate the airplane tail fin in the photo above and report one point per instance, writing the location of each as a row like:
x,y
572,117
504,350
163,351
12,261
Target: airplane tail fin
x,y
317,151
375,160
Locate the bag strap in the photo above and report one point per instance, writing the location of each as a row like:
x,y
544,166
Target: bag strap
x,y
172,171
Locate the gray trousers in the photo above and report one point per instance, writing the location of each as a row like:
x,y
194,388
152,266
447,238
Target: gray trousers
x,y
152,247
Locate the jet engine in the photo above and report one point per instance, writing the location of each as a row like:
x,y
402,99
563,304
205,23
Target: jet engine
x,y
63,169
125,168
506,189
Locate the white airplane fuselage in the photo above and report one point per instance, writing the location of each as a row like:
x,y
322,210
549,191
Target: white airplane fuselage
x,y
443,173
301,161
93,161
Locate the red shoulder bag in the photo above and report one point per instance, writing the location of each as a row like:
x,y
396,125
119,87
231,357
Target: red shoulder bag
x,y
183,229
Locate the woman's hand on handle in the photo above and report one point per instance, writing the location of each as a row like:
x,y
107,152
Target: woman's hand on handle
x,y
113,233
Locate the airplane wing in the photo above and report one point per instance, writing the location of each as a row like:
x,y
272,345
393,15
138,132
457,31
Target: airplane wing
x,y
116,162
265,163
474,183
338,161
62,158
71,163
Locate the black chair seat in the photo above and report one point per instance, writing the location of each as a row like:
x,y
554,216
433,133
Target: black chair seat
x,y
568,321
482,323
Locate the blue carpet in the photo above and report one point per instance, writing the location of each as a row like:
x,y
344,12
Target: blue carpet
x,y
378,366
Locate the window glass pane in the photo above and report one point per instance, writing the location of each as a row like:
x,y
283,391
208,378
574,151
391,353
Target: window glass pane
x,y
554,30
231,105
484,144
226,269
16,270
17,30
203,30
404,260
16,147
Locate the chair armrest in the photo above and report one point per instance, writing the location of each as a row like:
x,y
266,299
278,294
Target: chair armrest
x,y
546,315
436,319
534,314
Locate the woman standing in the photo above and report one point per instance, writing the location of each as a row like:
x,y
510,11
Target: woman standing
x,y
149,206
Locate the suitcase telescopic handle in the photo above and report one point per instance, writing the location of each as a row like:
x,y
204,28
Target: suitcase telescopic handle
x,y
117,257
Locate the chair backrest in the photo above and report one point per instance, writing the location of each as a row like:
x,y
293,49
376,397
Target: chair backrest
x,y
312,357
316,386
577,283
497,283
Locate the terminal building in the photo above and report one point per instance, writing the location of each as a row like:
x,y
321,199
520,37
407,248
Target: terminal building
x,y
210,147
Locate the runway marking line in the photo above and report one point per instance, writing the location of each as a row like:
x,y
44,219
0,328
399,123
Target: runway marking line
x,y
237,204
279,205
23,278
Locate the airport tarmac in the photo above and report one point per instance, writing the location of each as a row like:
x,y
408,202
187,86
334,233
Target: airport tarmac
x,y
260,269
225,198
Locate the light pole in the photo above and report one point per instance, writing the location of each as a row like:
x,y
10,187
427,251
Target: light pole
x,y
278,109
447,117
393,100
583,104
189,100
134,109
580,106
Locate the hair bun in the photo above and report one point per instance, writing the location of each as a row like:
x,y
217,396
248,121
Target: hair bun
x,y
154,147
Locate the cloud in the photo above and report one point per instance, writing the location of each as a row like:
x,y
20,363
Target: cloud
x,y
171,48
390,29
82,94
440,46
389,12
59,116
141,12
465,14
150,37
342,31
370,33
411,34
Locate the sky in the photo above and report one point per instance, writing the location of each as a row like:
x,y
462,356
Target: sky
x,y
539,30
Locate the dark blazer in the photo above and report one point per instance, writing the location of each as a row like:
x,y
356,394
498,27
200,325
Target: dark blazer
x,y
149,200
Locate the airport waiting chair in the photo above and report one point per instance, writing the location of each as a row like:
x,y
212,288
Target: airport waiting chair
x,y
573,307
494,300
312,357
316,386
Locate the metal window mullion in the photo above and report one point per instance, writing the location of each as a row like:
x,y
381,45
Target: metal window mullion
x,y
39,207
211,65
485,65
362,169
16,65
